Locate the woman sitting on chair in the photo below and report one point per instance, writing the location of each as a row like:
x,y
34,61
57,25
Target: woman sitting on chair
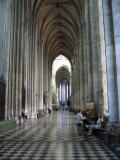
x,y
95,126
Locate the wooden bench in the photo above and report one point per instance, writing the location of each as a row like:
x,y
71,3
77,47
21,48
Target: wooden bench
x,y
114,133
99,131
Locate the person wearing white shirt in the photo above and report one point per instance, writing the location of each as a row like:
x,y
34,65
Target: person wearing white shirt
x,y
79,119
95,126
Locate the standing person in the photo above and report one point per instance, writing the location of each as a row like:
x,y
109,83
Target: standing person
x,y
23,113
79,119
49,110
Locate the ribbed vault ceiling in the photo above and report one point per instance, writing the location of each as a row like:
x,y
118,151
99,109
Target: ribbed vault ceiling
x,y
62,74
58,23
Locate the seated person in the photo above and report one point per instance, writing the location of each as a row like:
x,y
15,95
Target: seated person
x,y
95,126
86,122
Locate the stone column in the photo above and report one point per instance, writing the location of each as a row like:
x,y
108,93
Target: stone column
x,y
103,98
67,91
76,82
41,75
45,75
116,24
40,98
85,59
89,51
72,86
27,56
69,96
60,92
36,82
77,79
12,52
16,51
50,84
8,105
21,56
111,61
94,47
34,41
81,70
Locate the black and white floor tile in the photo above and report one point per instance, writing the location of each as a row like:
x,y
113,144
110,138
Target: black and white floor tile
x,y
53,137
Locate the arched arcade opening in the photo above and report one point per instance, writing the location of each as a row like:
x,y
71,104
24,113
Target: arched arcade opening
x,y
61,81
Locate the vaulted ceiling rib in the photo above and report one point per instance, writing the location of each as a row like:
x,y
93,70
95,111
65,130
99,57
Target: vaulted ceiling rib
x,y
58,23
62,73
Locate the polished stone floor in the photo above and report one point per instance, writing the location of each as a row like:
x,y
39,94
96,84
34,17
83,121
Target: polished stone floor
x,y
53,137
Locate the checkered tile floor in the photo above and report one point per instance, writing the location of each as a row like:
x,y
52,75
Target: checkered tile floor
x,y
53,137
